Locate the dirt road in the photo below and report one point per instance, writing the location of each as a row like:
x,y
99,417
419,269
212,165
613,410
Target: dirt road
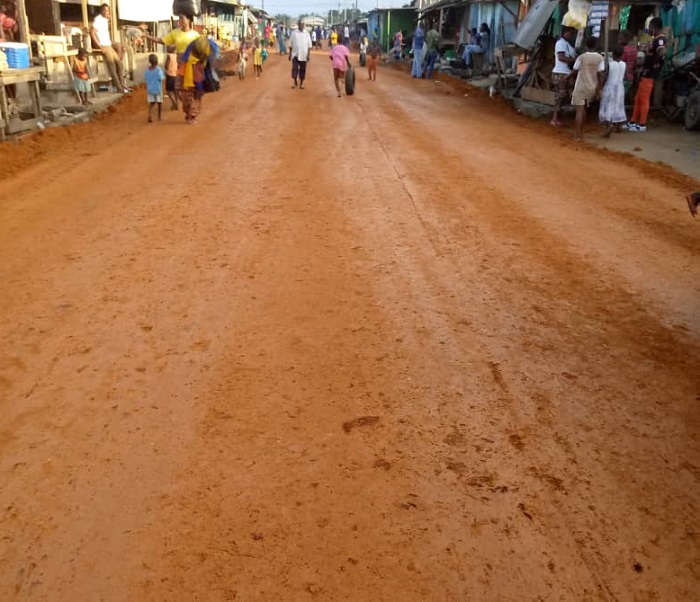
x,y
401,346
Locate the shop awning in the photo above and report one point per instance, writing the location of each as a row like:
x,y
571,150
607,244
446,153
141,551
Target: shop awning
x,y
532,25
439,5
138,10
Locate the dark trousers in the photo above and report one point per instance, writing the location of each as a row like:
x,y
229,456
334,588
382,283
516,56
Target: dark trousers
x,y
298,70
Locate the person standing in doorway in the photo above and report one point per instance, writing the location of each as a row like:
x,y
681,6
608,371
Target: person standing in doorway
x,y
654,59
102,40
564,59
299,54
432,40
418,41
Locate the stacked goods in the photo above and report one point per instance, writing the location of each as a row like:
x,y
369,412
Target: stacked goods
x,y
17,55
3,61
187,7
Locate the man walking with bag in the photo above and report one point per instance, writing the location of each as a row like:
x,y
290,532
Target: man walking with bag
x,y
299,54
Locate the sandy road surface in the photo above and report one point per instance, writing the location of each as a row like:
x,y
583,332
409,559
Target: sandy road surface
x,y
394,347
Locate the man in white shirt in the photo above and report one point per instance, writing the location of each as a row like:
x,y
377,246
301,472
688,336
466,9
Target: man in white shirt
x,y
299,54
102,40
564,59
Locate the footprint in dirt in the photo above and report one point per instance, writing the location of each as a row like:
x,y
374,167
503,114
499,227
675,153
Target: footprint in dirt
x,y
360,422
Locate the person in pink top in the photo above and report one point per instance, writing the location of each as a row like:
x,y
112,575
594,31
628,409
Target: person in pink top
x,y
340,58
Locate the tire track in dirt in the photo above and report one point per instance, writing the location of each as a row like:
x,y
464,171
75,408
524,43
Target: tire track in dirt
x,y
488,205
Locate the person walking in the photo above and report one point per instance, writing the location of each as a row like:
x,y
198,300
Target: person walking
x,y
154,78
299,54
102,41
374,51
398,44
189,68
280,40
654,59
340,59
431,41
418,41
564,59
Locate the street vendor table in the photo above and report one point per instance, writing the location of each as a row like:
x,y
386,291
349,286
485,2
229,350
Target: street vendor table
x,y
9,77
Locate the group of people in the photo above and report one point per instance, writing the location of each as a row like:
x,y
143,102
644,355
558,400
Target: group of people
x,y
610,80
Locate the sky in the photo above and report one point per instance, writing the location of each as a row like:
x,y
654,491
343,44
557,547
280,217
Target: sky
x,y
321,7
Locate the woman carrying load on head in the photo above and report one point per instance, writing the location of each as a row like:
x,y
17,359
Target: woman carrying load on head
x,y
188,67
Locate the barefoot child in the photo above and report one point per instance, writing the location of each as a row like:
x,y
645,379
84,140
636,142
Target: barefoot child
x,y
374,51
171,77
154,77
81,76
242,61
257,59
340,57
588,79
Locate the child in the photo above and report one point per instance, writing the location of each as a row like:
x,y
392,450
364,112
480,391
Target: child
x,y
171,77
340,57
154,77
257,60
81,76
242,61
612,104
374,51
587,85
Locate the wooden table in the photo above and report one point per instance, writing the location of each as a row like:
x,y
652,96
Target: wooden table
x,y
9,77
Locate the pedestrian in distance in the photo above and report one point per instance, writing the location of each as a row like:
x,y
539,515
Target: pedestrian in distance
x,y
340,59
299,54
171,77
242,61
373,51
432,39
589,75
398,45
418,41
654,59
612,103
564,59
81,75
257,59
154,78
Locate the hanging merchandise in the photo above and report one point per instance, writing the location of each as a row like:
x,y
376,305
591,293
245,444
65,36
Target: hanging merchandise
x,y
577,17
187,7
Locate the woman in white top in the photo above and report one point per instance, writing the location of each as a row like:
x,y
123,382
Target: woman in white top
x,y
564,59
